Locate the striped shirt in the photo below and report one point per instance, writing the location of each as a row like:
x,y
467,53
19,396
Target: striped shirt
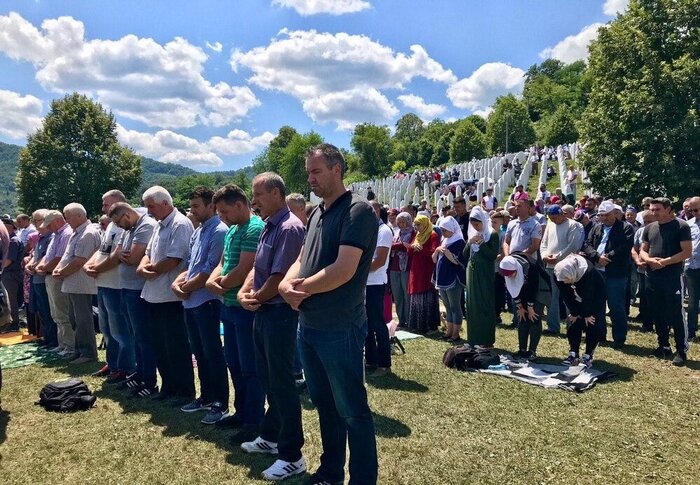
x,y
239,239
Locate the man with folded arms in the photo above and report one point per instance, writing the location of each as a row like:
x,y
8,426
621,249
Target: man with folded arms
x,y
275,329
77,284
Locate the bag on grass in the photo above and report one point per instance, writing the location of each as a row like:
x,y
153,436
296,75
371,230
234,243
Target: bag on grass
x,y
467,358
69,395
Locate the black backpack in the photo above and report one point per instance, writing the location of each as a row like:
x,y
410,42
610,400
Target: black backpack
x,y
467,358
64,396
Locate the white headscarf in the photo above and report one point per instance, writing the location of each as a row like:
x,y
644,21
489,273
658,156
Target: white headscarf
x,y
513,283
450,223
486,230
571,269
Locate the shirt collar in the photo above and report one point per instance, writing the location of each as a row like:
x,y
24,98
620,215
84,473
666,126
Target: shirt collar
x,y
63,228
277,217
336,203
169,219
211,222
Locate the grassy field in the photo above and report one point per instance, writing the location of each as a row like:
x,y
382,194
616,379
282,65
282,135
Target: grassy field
x,y
434,426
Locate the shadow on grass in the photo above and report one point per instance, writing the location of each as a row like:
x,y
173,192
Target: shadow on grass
x,y
389,427
4,421
393,381
174,423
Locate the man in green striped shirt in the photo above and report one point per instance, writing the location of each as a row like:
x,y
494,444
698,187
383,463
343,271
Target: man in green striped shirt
x,y
240,245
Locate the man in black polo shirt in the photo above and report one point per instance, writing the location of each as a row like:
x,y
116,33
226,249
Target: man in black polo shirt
x,y
666,244
327,285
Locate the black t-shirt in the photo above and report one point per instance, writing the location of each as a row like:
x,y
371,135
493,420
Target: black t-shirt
x,y
349,221
665,241
463,222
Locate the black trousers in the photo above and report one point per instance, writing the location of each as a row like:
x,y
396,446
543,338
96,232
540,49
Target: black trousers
x,y
275,337
574,332
172,349
665,300
377,346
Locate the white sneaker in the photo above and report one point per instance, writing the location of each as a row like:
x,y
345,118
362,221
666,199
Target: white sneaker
x,y
260,445
284,469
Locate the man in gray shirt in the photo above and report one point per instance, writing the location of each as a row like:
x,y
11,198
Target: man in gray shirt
x,y
77,284
165,258
138,229
523,233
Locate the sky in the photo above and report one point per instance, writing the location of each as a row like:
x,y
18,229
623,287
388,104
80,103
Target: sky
x,y
208,84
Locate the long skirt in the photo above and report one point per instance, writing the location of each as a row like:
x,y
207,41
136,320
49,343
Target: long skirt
x,y
424,311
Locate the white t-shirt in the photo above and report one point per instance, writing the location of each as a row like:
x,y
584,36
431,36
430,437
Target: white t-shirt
x,y
110,240
384,240
489,202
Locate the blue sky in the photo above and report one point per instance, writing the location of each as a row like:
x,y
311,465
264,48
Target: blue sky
x,y
207,84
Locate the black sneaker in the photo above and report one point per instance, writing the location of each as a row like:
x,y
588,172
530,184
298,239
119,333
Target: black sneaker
x,y
317,479
144,391
163,396
243,436
230,422
663,353
571,360
531,356
679,359
196,405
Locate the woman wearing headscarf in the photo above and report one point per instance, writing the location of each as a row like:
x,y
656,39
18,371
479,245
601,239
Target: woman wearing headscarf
x,y
523,282
580,286
482,250
449,275
423,310
400,265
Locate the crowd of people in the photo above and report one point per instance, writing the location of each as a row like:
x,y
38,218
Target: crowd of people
x,y
304,290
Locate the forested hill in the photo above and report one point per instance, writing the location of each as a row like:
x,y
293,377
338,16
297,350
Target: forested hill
x,y
154,173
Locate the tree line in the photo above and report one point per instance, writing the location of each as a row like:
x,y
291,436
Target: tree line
x,y
634,106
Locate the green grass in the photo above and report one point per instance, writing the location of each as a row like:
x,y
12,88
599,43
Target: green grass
x,y
434,426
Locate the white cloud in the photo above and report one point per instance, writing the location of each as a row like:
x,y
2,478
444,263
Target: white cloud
x,y
426,111
159,85
613,7
21,115
349,108
480,90
332,7
216,46
574,47
171,147
238,142
168,146
318,68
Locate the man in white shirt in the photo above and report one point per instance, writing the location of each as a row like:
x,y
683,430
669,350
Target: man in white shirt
x,y
489,202
377,347
562,236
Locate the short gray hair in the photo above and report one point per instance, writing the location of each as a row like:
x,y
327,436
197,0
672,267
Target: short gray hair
x,y
297,200
331,154
75,208
271,181
158,194
115,194
40,213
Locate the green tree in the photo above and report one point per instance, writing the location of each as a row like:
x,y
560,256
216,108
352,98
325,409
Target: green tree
x,y
509,122
560,128
478,121
441,151
75,157
641,126
468,142
269,159
186,185
292,165
409,128
372,144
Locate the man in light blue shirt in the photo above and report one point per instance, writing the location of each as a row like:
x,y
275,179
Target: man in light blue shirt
x,y
692,267
202,307
165,258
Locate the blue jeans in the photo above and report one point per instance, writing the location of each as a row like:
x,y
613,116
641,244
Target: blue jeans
x,y
239,351
116,330
136,314
615,295
334,374
203,333
553,315
41,301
